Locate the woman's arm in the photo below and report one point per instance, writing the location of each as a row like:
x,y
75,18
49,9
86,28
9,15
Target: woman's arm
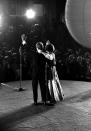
x,y
48,56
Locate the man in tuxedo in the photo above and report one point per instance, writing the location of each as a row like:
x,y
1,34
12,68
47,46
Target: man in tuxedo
x,y
38,62
38,73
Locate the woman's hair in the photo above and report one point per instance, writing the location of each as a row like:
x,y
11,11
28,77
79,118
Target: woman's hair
x,y
39,45
50,48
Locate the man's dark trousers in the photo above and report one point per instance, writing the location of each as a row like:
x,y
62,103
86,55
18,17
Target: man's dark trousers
x,y
38,76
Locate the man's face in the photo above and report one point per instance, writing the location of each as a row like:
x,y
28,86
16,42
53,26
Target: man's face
x,y
40,46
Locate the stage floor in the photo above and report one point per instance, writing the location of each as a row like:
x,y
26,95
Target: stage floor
x,y
17,113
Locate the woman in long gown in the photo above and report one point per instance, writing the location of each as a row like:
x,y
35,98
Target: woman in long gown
x,y
52,79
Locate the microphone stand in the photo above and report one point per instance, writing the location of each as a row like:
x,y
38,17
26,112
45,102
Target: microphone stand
x,y
23,37
20,51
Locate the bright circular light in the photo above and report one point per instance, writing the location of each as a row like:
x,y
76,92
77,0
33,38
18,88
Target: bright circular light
x,y
30,14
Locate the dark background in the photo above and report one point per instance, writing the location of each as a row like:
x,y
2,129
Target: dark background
x,y
73,60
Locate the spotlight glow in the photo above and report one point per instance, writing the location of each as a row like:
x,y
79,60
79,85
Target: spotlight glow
x,y
30,14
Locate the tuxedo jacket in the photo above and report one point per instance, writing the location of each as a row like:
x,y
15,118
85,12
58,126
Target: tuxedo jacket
x,y
38,65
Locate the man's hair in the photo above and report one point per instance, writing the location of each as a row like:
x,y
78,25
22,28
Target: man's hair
x,y
39,45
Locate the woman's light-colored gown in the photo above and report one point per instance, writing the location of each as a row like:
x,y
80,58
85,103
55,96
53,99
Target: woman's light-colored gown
x,y
55,88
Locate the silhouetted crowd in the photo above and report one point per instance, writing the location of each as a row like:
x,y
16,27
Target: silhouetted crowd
x,y
71,65
74,65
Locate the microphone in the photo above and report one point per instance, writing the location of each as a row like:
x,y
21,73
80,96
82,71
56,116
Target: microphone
x,y
23,38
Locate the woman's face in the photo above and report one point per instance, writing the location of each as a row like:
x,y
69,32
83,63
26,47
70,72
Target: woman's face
x,y
47,42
